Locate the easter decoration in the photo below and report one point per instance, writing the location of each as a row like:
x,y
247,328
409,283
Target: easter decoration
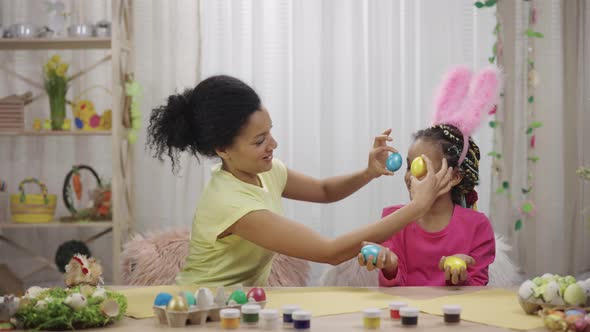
x,y
67,250
84,304
562,302
454,263
132,118
96,202
8,307
185,308
32,208
418,167
55,83
370,250
85,115
394,162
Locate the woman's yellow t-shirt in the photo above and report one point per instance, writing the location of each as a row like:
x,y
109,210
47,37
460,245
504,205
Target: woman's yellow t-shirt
x,y
231,260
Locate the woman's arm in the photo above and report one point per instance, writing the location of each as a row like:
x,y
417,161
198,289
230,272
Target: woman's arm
x,y
305,188
284,236
279,234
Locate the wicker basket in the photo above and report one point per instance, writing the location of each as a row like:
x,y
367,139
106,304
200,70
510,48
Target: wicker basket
x,y
32,208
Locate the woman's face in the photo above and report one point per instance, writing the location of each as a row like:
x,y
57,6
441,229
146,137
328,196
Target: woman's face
x,y
252,150
428,148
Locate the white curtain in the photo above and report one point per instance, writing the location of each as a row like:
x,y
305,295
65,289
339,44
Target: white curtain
x,y
334,74
557,238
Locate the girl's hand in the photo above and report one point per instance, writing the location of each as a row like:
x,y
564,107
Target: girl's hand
x,y
455,275
378,155
386,260
425,191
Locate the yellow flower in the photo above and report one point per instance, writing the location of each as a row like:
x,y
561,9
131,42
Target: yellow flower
x,y
55,59
51,65
61,69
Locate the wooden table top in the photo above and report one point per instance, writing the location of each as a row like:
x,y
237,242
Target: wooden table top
x,y
341,323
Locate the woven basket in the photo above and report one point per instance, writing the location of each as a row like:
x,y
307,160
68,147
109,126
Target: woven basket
x,y
32,208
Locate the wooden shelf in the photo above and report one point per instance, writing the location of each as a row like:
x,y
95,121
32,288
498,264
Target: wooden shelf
x,y
56,224
54,43
56,133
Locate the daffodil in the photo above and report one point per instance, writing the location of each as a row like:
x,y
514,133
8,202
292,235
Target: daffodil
x,y
61,69
55,59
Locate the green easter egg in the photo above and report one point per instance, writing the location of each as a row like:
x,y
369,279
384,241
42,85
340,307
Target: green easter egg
x,y
238,296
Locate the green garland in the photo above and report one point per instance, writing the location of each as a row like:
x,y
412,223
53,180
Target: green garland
x,y
133,90
58,316
527,206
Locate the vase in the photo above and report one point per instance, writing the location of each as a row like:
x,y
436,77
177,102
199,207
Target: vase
x,y
57,105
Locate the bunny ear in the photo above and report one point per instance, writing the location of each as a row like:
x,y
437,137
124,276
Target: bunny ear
x,y
485,94
451,94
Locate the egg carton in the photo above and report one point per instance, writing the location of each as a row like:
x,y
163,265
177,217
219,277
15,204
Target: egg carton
x,y
208,306
196,315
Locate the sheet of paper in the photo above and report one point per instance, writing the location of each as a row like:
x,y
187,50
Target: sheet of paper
x,y
323,301
320,301
495,307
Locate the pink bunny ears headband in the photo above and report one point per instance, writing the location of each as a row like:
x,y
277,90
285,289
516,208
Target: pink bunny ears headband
x,y
463,98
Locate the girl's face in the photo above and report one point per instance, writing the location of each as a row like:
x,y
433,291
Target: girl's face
x,y
428,148
251,152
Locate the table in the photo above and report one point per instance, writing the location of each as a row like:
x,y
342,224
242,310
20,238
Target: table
x,y
341,323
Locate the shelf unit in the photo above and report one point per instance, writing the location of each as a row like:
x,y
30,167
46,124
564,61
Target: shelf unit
x,y
122,64
56,133
54,43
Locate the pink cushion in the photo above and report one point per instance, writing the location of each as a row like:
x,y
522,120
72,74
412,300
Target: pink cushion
x,y
156,258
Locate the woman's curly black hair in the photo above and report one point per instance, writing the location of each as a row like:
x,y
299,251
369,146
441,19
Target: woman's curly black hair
x,y
450,140
202,119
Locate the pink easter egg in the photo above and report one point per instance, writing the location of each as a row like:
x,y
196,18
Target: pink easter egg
x,y
94,121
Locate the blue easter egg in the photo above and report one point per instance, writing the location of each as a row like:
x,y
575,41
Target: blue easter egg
x,y
162,299
370,250
79,123
394,162
190,298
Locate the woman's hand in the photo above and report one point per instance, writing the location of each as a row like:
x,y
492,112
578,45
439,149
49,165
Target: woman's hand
x,y
378,156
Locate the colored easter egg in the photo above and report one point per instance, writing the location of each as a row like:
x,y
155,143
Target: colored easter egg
x,y
370,250
190,298
418,167
177,303
454,263
162,299
394,162
238,296
257,294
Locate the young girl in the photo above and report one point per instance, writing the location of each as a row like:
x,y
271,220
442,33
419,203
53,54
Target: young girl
x,y
239,222
415,256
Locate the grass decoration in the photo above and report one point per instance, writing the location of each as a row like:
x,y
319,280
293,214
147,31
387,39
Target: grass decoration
x,y
57,316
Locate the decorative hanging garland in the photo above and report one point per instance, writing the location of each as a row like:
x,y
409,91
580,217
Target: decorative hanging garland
x,y
527,206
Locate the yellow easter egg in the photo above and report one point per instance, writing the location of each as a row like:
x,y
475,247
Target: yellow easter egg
x,y
37,124
418,167
178,303
455,263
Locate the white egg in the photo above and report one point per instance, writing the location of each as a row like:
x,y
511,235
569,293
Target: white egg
x,y
219,296
33,292
76,301
204,297
525,291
